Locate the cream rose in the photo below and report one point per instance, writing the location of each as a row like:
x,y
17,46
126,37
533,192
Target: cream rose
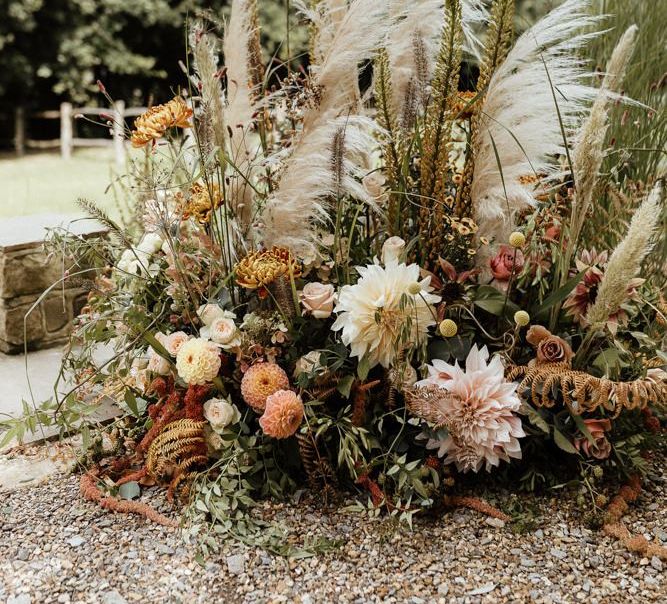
x,y
222,331
209,313
392,250
220,413
318,299
158,364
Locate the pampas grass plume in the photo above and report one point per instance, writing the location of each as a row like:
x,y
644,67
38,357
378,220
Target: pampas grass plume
x,y
627,258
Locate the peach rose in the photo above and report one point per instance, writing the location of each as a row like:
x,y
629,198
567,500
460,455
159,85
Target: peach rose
x,y
174,341
550,348
508,260
318,299
158,365
600,448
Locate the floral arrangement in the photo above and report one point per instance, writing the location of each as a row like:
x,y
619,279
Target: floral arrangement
x,y
374,274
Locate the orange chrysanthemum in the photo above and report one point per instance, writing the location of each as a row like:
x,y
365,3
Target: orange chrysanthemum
x,y
261,381
263,268
157,120
201,203
283,414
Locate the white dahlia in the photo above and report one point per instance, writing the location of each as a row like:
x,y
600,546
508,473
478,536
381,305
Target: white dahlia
x,y
388,309
198,361
477,406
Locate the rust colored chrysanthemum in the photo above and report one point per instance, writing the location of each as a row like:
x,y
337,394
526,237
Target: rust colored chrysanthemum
x,y
203,200
152,125
260,269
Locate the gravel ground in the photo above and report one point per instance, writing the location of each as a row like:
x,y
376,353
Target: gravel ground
x,y
54,547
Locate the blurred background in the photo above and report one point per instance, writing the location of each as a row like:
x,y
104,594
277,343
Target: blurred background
x,y
53,54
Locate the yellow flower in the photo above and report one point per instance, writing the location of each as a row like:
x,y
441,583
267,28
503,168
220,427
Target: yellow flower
x,y
521,318
517,239
202,202
157,120
263,268
448,329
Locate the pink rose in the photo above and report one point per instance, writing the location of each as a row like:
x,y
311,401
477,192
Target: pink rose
x,y
600,448
508,260
318,299
174,341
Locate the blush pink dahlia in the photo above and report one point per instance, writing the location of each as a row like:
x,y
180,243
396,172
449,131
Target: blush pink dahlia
x,y
478,407
283,414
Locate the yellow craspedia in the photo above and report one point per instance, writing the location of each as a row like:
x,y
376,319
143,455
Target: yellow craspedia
x,y
198,361
448,329
517,239
414,288
521,318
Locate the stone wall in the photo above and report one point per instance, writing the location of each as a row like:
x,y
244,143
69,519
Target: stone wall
x,y
26,272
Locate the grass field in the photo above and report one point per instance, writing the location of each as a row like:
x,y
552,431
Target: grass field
x,y
44,182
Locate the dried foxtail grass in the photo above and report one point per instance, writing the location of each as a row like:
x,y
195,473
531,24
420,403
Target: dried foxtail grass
x,y
535,95
205,62
626,260
588,152
414,42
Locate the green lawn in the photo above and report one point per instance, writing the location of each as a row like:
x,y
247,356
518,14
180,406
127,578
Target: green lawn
x,y
43,182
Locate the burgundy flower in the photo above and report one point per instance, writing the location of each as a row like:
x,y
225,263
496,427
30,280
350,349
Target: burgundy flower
x,y
600,448
507,261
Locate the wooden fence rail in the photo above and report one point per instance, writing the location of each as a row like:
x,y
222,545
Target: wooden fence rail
x,y
67,140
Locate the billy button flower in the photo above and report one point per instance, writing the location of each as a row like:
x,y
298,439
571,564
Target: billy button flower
x,y
521,318
517,239
448,328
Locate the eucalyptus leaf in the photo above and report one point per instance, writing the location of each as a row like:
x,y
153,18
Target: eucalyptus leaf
x,y
129,490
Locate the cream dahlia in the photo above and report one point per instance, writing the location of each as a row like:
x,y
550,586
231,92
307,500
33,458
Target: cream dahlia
x,y
388,309
198,361
477,406
283,414
261,381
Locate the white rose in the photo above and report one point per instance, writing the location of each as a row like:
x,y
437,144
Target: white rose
x,y
374,185
392,250
158,364
318,299
309,363
150,244
222,331
210,312
221,413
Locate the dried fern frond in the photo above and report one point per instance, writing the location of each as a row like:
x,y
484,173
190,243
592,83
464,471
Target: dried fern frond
x,y
178,447
320,474
437,137
544,384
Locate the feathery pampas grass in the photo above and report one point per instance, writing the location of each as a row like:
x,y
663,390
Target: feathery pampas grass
x,y
588,152
414,41
306,186
240,110
519,119
627,259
